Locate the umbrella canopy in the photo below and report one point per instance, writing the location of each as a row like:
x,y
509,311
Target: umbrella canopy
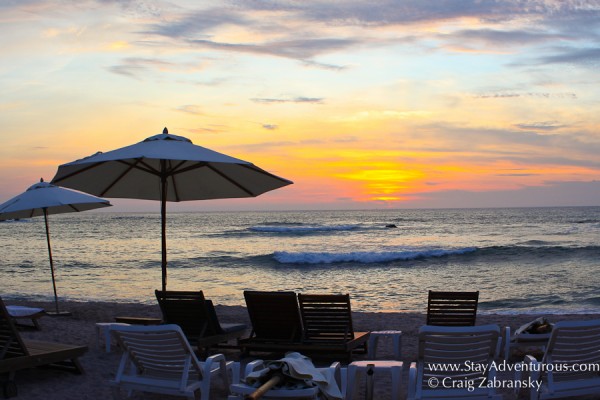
x,y
44,198
166,167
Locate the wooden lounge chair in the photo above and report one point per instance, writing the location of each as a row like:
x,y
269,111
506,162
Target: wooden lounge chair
x,y
452,308
275,318
159,359
17,353
570,363
327,325
197,318
444,353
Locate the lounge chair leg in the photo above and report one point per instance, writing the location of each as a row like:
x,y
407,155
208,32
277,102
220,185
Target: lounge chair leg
x,y
9,389
116,393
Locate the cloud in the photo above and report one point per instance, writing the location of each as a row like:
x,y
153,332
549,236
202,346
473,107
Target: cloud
x,y
540,126
346,139
312,100
203,130
589,57
551,194
264,146
197,22
392,12
486,39
305,30
190,109
373,115
133,67
499,95
515,145
297,49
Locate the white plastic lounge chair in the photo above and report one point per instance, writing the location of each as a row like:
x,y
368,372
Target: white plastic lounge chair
x,y
571,361
322,380
159,359
444,348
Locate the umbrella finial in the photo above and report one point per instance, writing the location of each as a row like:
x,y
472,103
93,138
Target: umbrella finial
x,y
165,131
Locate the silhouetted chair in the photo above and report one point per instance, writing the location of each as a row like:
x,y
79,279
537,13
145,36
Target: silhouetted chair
x,y
327,325
275,318
452,308
17,353
197,318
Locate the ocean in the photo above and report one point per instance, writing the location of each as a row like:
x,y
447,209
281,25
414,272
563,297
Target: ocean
x,y
522,260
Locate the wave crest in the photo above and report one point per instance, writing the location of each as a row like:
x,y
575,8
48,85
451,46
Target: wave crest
x,y
301,229
364,257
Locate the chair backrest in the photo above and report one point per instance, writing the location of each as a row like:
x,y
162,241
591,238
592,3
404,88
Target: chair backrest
x,y
575,343
274,315
11,344
326,317
159,351
452,308
189,310
447,352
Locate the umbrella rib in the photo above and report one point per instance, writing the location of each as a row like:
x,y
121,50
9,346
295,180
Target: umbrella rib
x,y
231,180
62,178
114,182
173,170
172,173
149,169
262,171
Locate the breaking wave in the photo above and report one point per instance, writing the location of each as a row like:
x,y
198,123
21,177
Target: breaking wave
x,y
363,257
302,228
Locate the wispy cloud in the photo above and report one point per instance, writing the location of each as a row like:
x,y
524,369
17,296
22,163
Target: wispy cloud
x,y
134,67
312,100
500,95
487,39
589,57
190,109
207,129
540,126
303,50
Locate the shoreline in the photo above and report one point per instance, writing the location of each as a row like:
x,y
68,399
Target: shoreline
x,y
100,366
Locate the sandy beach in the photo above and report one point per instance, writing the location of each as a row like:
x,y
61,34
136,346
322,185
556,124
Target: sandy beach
x,y
100,366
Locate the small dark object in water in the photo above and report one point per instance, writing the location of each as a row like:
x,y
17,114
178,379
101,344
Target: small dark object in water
x,y
391,226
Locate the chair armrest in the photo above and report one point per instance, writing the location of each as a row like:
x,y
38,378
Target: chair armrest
x,y
534,368
210,364
339,375
252,366
506,343
412,380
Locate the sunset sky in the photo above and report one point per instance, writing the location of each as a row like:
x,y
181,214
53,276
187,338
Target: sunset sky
x,y
363,104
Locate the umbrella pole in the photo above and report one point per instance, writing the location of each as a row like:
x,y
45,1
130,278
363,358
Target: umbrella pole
x,y
50,256
163,221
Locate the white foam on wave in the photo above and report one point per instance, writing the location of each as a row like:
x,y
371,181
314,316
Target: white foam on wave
x,y
299,229
364,257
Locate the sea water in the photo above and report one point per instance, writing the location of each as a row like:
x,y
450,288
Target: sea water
x,y
522,260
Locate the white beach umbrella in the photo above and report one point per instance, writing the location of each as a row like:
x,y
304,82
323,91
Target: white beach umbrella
x,y
44,198
167,168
